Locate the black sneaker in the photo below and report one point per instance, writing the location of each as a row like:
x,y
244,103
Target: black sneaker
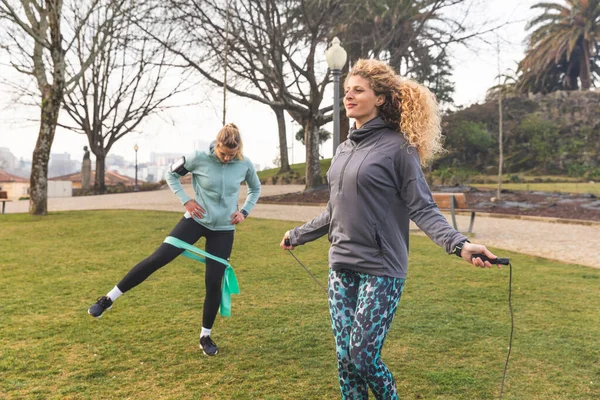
x,y
104,303
208,346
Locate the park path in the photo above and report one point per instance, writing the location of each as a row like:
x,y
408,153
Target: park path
x,y
569,243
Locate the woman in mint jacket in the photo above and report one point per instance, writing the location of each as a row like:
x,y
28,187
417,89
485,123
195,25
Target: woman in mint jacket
x,y
213,213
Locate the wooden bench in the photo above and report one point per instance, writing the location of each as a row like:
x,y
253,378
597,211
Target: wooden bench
x,y
3,199
454,202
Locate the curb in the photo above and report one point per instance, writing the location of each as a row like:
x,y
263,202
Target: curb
x,y
551,220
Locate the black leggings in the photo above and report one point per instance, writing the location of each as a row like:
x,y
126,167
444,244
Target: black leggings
x,y
218,243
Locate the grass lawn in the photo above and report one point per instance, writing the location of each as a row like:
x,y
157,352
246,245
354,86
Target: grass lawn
x,y
448,340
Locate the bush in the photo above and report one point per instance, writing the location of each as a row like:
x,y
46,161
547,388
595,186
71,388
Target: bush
x,y
576,169
121,188
595,173
542,137
453,176
516,179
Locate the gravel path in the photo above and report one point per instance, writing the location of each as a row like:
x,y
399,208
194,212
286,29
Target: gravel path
x,y
569,243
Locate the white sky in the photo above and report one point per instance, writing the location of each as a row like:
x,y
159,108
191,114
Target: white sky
x,y
475,71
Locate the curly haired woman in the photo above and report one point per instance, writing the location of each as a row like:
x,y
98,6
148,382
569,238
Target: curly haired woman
x,y
376,187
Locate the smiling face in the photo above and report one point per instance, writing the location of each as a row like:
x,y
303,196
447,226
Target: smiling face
x,y
360,100
224,153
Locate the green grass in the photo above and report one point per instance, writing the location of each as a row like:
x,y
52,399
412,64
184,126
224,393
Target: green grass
x,y
299,169
563,187
448,340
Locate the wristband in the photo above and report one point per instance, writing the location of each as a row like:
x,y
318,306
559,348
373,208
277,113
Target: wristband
x,y
457,251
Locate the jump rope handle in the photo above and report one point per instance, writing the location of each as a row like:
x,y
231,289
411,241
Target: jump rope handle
x,y
287,242
484,258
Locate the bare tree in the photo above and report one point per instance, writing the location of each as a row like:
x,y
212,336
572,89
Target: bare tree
x,y
37,36
500,132
275,55
124,85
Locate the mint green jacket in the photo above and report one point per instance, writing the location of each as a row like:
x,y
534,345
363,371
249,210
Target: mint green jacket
x,y
217,187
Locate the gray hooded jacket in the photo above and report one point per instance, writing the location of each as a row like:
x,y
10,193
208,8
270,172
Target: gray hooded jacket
x,y
375,186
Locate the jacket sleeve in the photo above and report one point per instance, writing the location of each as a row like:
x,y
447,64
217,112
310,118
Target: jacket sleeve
x,y
311,230
253,188
415,192
172,178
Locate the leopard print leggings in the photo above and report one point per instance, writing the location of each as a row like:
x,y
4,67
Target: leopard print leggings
x,y
362,308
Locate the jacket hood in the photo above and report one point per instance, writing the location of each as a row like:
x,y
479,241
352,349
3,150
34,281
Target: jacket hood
x,y
361,133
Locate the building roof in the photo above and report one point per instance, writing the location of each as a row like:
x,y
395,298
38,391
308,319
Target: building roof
x,y
111,178
6,177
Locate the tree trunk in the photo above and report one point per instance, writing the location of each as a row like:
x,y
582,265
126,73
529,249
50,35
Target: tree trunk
x,y
52,95
500,147
99,182
585,69
283,150
38,195
313,167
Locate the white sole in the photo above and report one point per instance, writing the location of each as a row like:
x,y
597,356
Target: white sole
x,y
99,316
217,352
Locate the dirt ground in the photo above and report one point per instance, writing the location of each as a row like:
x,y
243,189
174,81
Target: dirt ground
x,y
540,204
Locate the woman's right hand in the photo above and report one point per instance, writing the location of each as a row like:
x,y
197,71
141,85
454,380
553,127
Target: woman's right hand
x,y
283,245
194,209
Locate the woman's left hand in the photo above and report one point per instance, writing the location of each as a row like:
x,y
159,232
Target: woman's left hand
x,y
469,249
236,218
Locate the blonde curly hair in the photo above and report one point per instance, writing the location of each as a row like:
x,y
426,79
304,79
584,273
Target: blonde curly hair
x,y
409,106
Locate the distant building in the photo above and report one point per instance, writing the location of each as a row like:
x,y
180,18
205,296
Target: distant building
x,y
162,159
15,186
114,160
61,164
8,162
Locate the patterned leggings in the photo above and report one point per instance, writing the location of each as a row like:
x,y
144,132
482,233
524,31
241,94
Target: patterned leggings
x,y
362,308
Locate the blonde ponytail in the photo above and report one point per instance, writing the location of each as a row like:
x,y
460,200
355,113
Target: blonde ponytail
x,y
229,136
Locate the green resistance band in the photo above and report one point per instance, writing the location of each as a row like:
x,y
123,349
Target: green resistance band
x,y
230,282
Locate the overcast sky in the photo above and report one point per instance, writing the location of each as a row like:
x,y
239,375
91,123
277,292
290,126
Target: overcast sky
x,y
474,72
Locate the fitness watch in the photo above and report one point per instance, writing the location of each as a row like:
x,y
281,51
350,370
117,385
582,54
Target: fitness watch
x,y
457,251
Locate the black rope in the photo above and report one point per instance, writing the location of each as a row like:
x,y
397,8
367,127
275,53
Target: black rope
x,y
512,328
310,273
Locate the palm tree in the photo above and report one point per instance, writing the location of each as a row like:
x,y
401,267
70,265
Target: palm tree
x,y
563,48
508,86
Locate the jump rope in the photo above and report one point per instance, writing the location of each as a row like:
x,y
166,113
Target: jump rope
x,y
502,261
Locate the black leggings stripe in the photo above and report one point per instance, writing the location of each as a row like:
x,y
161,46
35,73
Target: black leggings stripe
x,y
218,243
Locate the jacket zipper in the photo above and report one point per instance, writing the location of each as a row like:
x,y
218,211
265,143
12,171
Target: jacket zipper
x,y
344,168
223,182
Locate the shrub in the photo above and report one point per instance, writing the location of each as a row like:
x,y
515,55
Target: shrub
x,y
577,169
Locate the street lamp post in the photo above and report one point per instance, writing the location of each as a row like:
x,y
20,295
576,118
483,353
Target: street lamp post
x,y
136,148
336,59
